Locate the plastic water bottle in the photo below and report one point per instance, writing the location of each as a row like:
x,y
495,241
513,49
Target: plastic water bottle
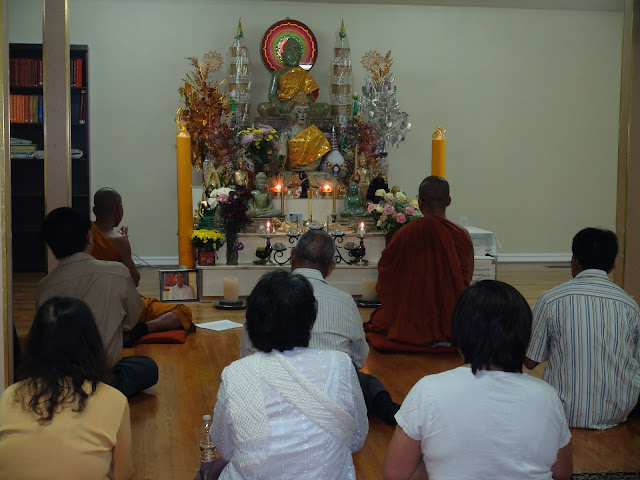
x,y
208,450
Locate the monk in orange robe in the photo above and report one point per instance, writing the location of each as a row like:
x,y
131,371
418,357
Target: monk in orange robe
x,y
110,245
420,275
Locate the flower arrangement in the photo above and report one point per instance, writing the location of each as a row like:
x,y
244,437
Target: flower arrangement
x,y
206,115
234,206
207,240
393,211
258,144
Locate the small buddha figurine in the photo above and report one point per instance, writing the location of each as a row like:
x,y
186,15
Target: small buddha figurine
x,y
288,81
261,205
241,177
362,176
354,206
302,144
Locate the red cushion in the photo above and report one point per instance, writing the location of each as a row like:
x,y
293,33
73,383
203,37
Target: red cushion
x,y
382,343
171,336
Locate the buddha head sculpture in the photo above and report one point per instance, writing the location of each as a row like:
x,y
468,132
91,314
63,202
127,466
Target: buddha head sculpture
x,y
291,53
300,109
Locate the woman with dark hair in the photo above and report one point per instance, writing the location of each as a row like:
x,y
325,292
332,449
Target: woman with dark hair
x,y
485,419
62,420
288,408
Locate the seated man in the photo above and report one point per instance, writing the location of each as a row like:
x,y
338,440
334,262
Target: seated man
x,y
114,246
420,275
589,331
106,287
338,324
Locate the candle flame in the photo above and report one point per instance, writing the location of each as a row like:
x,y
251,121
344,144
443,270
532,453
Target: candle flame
x,y
268,224
278,188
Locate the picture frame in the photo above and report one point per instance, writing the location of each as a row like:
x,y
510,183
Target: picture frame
x,y
170,291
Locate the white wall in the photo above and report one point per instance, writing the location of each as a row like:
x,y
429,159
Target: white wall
x,y
529,99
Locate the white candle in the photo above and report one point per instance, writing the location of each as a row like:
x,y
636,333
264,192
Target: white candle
x,y
230,287
268,229
361,229
369,289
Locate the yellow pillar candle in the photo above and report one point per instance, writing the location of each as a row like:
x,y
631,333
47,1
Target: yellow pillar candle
x,y
230,289
185,220
438,152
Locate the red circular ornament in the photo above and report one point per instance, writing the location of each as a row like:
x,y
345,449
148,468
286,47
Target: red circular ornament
x,y
278,33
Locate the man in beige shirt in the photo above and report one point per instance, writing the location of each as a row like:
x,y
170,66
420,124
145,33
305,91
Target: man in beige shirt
x,y
106,287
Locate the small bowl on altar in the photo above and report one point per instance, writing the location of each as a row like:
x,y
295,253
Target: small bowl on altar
x,y
294,232
316,226
350,245
279,247
337,232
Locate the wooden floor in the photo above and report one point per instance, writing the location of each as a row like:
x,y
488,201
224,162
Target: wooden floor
x,y
166,417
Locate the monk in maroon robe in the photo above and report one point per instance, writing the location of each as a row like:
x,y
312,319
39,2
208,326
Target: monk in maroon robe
x,y
420,275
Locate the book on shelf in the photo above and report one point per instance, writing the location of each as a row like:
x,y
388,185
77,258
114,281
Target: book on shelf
x,y
23,148
79,108
27,72
25,108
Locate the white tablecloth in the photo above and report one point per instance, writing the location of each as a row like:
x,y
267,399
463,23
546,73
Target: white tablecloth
x,y
484,242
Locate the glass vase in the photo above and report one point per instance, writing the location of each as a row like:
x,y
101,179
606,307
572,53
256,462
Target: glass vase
x,y
232,253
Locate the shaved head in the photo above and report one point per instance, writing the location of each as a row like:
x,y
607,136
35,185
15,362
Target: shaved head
x,y
105,202
434,193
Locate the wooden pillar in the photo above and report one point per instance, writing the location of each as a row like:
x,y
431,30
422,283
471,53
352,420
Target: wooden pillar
x,y
6,325
627,271
57,129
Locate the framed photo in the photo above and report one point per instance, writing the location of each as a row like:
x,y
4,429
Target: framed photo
x,y
179,286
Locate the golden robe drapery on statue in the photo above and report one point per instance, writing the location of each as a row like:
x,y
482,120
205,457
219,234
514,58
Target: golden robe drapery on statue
x,y
295,80
153,307
306,147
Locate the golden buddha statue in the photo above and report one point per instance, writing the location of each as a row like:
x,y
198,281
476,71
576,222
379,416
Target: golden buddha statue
x,y
362,177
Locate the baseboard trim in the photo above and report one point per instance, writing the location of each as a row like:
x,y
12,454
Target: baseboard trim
x,y
502,258
156,261
533,257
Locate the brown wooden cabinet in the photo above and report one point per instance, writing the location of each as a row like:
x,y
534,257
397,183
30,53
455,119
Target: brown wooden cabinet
x,y
27,171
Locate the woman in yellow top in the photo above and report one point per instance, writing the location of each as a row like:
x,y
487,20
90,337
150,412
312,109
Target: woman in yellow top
x,y
63,420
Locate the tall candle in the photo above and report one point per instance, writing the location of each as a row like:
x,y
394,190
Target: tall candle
x,y
185,219
268,229
280,191
335,189
369,289
361,229
230,288
438,151
309,204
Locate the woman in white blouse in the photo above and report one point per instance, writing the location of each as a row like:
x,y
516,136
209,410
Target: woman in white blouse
x,y
288,411
485,419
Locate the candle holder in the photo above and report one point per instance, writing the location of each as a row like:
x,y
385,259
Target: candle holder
x,y
357,252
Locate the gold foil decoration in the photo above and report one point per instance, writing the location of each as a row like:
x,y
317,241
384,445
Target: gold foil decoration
x,y
306,147
293,81
379,66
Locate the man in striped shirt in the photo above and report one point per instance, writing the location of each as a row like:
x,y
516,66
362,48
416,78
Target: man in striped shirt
x,y
338,325
589,331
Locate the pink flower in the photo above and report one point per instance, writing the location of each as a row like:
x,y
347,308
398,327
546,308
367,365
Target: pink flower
x,y
400,218
388,209
223,197
371,207
410,210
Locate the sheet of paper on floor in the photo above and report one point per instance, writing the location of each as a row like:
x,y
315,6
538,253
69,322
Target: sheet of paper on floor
x,y
219,325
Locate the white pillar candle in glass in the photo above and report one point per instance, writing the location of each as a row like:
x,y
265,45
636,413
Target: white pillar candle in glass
x,y
230,285
369,289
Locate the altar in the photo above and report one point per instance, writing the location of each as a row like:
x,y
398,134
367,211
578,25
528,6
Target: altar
x,y
345,277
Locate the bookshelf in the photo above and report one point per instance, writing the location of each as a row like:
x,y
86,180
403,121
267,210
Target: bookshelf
x,y
27,164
